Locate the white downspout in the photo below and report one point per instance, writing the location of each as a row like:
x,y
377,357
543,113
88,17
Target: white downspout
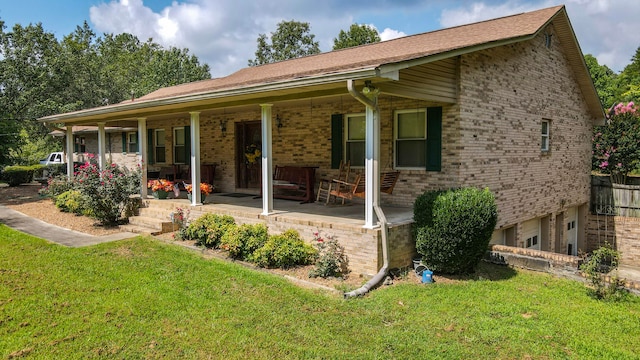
x,y
373,104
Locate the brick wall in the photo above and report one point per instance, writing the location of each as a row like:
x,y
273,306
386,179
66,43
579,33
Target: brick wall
x,y
622,232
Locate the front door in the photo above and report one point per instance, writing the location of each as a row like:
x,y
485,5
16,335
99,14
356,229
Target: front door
x,y
572,232
248,155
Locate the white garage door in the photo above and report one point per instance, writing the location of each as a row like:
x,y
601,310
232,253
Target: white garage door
x,y
531,234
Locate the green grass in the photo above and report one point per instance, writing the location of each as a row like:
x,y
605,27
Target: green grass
x,y
146,299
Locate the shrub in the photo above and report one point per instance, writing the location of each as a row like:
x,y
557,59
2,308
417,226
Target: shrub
x,y
16,175
242,241
423,208
208,229
56,186
462,223
71,201
108,192
285,251
600,262
331,260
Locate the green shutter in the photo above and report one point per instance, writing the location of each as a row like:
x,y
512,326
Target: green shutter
x,y
434,139
76,146
336,140
150,149
187,145
124,142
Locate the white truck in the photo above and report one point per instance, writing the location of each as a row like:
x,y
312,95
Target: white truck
x,y
53,158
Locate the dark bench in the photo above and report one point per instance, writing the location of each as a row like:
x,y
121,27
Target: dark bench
x,y
294,183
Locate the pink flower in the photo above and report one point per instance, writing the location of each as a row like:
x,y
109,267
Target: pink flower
x,y
604,164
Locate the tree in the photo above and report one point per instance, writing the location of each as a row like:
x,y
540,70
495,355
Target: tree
x,y
291,40
356,35
629,86
616,145
604,79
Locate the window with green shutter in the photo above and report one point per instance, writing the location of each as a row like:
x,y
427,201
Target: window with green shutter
x,y
418,139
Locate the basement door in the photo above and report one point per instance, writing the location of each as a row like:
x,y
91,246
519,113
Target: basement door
x,y
248,159
571,220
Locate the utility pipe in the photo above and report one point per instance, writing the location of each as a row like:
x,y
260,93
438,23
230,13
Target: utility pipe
x,y
382,273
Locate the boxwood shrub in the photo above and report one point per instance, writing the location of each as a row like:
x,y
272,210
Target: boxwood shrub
x,y
242,241
457,233
208,229
285,251
16,175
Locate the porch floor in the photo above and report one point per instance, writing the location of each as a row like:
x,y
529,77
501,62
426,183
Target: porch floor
x,y
248,205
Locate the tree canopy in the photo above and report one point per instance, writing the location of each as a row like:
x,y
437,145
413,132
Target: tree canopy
x,y
43,76
356,35
292,39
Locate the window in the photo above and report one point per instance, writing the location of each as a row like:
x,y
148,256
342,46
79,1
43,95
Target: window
x,y
410,131
81,145
159,146
544,143
132,142
355,139
179,148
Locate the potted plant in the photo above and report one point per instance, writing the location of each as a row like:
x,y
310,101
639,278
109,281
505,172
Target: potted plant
x,y
205,189
160,188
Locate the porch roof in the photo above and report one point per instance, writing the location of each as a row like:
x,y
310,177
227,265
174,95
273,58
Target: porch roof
x,y
326,73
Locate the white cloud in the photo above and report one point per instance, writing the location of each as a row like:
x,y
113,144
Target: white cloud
x,y
390,34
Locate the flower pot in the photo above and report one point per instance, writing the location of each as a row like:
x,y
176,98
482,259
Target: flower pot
x,y
160,194
203,196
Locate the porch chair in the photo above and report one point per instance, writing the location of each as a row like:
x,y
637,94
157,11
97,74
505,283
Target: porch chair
x,y
324,188
346,190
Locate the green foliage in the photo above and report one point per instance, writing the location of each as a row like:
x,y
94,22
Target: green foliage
x,y
291,40
71,201
457,238
356,35
628,80
108,192
242,241
600,262
56,186
423,208
16,175
285,251
616,145
331,260
208,229
604,79
42,76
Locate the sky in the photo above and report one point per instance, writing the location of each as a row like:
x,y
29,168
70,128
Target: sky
x,y
223,33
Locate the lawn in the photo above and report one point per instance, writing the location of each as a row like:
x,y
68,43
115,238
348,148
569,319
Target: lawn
x,y
142,298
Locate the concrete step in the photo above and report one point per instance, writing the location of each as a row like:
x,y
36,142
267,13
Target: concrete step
x,y
153,212
142,230
160,225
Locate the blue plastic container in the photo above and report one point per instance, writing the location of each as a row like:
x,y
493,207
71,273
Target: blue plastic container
x,y
427,276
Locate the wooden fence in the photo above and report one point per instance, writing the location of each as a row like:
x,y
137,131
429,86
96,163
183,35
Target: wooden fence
x,y
614,199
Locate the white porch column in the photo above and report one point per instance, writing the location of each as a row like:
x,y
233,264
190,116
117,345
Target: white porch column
x,y
195,158
102,163
69,147
142,147
372,167
267,168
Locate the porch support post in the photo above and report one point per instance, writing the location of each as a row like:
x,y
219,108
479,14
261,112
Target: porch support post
x,y
372,167
267,168
142,147
69,147
101,147
195,158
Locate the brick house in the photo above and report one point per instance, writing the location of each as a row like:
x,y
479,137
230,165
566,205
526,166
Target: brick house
x,y
506,104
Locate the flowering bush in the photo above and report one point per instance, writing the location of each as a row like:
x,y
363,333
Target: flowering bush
x,y
331,261
160,184
616,145
204,188
107,192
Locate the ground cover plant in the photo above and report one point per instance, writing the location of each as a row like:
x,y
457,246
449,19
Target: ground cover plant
x,y
142,298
